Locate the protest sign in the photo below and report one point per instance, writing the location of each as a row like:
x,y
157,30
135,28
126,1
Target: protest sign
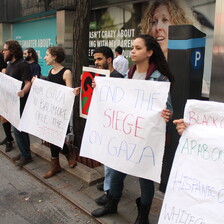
x,y
195,191
9,99
86,87
47,111
124,128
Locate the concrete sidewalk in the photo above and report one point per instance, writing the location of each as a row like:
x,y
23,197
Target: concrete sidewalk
x,y
78,185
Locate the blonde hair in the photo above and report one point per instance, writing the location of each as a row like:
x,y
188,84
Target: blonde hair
x,y
179,11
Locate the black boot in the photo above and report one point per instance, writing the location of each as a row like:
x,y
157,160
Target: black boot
x,y
143,213
103,199
109,208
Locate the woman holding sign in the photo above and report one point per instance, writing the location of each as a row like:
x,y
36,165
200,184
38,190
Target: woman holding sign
x,y
150,64
63,76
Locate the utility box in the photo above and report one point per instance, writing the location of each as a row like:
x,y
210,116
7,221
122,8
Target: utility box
x,y
186,51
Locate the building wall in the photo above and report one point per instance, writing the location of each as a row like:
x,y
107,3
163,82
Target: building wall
x,y
5,33
118,10
65,20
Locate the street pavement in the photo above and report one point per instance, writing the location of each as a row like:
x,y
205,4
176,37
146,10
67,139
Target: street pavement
x,y
25,200
78,186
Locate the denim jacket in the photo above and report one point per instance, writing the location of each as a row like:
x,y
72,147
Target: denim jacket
x,y
157,76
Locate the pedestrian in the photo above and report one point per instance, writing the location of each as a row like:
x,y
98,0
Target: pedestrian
x,y
8,140
120,63
63,76
160,14
31,57
103,59
17,68
150,64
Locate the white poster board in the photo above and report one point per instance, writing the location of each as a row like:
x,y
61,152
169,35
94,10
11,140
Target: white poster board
x,y
47,111
195,191
124,128
9,99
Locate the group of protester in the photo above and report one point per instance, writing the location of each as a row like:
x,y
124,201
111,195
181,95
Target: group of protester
x,y
149,56
26,71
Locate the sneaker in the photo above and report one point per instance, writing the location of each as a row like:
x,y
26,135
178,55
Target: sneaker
x,y
102,200
16,158
8,146
100,187
3,141
23,161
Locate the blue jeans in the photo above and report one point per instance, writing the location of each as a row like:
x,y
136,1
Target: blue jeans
x,y
117,184
23,142
107,178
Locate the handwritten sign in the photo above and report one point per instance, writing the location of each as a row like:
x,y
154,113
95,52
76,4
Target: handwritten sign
x,y
124,128
9,99
86,87
47,111
195,191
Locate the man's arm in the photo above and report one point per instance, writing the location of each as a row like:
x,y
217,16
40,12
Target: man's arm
x,y
25,89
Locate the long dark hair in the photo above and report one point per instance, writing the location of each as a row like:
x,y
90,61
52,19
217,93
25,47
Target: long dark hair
x,y
157,57
34,54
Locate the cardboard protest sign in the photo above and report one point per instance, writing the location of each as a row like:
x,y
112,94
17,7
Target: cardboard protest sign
x,y
195,191
9,99
124,128
86,87
47,111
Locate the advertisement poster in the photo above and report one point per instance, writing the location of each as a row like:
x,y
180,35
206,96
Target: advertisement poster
x,y
28,35
114,26
119,25
86,87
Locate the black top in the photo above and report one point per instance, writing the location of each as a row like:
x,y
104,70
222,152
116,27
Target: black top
x,y
116,74
57,78
21,71
35,68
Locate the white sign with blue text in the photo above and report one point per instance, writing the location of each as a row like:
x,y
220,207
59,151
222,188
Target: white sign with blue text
x,y
9,99
124,128
47,112
195,191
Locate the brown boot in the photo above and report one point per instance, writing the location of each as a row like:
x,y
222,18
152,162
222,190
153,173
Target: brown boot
x,y
71,158
55,168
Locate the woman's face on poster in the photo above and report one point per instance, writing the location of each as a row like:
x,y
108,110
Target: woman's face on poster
x,y
160,24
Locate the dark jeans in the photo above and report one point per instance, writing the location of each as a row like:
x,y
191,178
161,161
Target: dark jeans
x,y
117,183
23,142
55,150
7,129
